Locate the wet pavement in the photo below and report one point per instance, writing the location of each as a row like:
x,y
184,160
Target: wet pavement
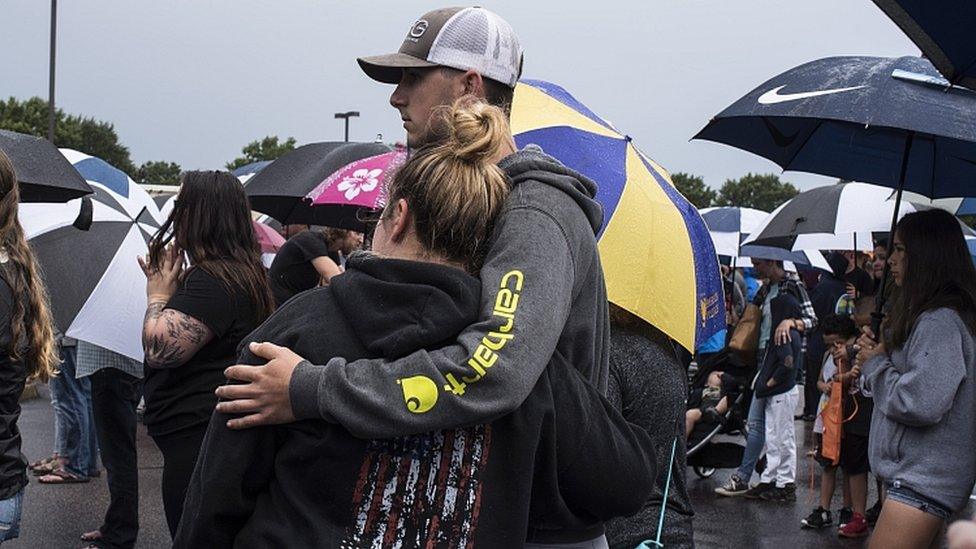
x,y
54,516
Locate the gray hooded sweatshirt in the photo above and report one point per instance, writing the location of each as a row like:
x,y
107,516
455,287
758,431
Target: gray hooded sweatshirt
x,y
543,293
923,430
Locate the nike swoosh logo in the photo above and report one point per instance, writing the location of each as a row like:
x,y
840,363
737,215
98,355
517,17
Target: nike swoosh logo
x,y
773,96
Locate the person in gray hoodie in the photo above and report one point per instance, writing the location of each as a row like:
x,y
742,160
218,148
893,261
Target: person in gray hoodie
x,y
921,374
543,292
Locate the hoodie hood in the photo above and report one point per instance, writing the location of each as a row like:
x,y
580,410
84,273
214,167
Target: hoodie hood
x,y
531,163
782,307
397,306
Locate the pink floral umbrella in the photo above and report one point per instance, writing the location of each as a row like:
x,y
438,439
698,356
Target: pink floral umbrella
x,y
360,183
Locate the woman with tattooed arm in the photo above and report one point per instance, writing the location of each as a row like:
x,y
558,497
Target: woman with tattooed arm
x,y
196,317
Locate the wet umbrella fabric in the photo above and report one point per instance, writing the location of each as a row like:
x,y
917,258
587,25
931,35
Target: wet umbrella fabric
x,y
943,30
97,289
657,256
807,258
858,118
359,183
42,171
279,190
729,226
832,217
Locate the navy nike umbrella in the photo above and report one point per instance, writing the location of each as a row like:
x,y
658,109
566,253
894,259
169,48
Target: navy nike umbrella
x,y
943,30
872,119
889,121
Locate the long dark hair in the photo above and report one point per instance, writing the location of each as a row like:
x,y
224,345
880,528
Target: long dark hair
x,y
938,272
211,222
31,325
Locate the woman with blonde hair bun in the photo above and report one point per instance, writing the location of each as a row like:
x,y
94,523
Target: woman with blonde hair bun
x,y
27,346
314,483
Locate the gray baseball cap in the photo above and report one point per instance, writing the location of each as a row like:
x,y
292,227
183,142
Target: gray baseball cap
x,y
461,38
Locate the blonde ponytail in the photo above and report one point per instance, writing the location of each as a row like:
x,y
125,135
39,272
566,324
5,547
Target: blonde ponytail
x,y
455,189
31,324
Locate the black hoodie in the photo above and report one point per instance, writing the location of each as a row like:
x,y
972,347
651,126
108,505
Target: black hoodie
x,y
780,362
565,460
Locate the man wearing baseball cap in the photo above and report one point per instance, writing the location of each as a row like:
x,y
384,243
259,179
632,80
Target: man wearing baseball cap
x,y
543,289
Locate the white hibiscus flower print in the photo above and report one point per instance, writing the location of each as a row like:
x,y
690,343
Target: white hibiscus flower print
x,y
362,180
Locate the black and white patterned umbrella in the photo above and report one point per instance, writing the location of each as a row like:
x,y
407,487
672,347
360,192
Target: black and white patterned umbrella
x,y
97,289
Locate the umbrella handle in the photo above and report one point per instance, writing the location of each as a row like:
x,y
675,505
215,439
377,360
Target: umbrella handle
x,y
84,220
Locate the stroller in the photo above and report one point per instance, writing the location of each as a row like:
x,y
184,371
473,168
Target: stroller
x,y
720,444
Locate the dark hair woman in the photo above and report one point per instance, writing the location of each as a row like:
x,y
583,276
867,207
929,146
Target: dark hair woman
x,y
923,377
27,348
196,317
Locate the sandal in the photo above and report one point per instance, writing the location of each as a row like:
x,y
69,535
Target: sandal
x,y
62,476
45,466
94,535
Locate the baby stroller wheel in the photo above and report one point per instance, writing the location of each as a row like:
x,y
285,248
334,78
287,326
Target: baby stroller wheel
x,y
704,472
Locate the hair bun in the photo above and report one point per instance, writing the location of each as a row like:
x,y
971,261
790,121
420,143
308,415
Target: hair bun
x,y
477,131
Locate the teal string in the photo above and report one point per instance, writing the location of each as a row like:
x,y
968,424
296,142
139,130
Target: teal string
x,y
664,502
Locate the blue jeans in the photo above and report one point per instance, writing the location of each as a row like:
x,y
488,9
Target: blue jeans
x,y
75,438
10,511
755,440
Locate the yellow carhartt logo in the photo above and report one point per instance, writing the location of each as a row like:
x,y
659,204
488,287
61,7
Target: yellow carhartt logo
x,y
419,392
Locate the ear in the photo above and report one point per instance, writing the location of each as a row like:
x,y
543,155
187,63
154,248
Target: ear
x,y
400,220
473,84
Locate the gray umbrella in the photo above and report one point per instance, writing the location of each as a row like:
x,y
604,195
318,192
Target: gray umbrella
x,y
43,173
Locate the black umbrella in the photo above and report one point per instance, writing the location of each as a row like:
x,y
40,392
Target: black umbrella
x,y
279,190
943,30
891,122
43,173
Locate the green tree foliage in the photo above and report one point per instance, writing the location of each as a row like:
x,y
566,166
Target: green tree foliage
x,y
266,149
83,134
693,188
761,191
159,173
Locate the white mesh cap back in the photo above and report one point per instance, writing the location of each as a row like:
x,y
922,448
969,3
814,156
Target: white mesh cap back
x,y
475,38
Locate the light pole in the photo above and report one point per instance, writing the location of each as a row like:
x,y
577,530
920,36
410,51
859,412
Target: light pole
x,y
50,101
346,116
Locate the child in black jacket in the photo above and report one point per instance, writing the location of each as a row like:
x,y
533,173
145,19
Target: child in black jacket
x,y
776,384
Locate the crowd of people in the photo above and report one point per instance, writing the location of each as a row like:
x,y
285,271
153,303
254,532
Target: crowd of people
x,y
457,376
889,404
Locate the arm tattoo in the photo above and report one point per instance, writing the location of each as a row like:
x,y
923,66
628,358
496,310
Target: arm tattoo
x,y
170,338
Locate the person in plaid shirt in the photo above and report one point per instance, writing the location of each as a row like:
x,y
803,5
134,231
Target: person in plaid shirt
x,y
777,281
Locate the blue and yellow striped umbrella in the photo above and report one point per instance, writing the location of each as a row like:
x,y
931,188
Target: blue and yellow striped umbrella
x,y
658,258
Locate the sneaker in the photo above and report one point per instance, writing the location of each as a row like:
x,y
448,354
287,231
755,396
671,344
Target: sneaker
x,y
779,494
819,518
857,527
758,490
844,516
872,514
734,487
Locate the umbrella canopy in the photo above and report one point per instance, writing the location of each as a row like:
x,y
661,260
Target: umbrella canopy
x,y
832,217
872,119
943,30
360,183
728,227
247,171
97,289
42,172
955,206
659,261
808,258
279,190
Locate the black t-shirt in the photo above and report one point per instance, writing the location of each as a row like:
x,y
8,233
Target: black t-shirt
x,y
13,464
183,397
861,280
292,271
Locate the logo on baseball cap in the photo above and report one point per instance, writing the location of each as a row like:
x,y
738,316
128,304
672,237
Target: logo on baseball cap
x,y
460,38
